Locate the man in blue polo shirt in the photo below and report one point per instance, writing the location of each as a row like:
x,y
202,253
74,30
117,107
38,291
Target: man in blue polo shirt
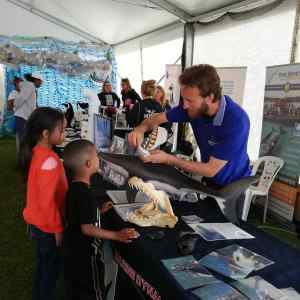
x,y
221,128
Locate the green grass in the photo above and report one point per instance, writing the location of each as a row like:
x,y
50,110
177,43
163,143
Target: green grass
x,y
273,226
16,251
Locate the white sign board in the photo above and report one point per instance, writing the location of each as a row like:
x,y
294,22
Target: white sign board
x,y
233,81
172,85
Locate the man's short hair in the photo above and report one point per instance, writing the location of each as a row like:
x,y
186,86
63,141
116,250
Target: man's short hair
x,y
77,153
205,78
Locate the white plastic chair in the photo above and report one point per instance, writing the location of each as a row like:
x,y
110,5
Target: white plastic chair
x,y
272,165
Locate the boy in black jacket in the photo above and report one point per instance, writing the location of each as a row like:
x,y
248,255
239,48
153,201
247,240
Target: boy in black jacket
x,y
146,108
84,268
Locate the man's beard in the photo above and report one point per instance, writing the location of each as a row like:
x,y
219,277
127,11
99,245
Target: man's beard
x,y
200,112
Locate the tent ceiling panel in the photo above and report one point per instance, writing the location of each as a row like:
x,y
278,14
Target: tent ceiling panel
x,y
197,7
108,20
16,21
112,21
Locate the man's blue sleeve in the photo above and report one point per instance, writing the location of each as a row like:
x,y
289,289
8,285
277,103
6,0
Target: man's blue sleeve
x,y
177,115
234,141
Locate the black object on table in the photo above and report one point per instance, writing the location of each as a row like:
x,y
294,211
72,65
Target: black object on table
x,y
141,259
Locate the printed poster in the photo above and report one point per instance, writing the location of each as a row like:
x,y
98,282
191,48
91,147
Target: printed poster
x,y
281,133
281,119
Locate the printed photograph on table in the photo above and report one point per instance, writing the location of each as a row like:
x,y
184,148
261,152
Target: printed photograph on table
x,y
225,265
102,132
124,210
188,272
220,231
218,291
245,258
120,122
291,294
120,197
256,288
118,145
117,197
191,219
112,175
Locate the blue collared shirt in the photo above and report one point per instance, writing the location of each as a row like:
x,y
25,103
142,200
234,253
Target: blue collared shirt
x,y
225,137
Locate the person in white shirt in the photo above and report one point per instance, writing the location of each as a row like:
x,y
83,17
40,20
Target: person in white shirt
x,y
25,104
13,94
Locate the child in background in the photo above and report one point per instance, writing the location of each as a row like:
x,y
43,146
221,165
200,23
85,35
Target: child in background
x,y
46,188
84,269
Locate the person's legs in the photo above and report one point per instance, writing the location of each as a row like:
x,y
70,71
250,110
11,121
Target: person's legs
x,y
84,278
110,270
20,129
48,265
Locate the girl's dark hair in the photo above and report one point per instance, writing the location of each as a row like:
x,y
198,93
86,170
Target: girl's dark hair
x,y
43,118
126,81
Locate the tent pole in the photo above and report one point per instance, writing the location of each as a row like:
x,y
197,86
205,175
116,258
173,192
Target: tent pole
x,y
186,61
294,48
142,61
188,45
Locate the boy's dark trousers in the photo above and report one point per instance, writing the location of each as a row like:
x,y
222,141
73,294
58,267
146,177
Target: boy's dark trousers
x,y
84,277
48,265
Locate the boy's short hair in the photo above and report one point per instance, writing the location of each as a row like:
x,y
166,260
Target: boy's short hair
x,y
148,88
77,153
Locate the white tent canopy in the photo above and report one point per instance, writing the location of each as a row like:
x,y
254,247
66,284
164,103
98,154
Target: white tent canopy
x,y
110,21
255,40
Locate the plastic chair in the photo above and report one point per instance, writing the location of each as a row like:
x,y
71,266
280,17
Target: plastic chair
x,y
272,165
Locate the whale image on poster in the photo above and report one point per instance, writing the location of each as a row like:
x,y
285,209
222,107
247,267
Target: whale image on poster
x,y
281,119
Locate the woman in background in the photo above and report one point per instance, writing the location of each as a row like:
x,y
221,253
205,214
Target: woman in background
x,y
160,97
129,96
13,94
107,97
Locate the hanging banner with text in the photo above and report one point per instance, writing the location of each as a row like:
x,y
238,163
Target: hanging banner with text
x,y
281,132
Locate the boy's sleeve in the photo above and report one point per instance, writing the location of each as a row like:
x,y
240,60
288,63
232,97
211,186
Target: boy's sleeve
x,y
87,209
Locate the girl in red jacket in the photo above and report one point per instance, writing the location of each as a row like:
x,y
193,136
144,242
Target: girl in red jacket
x,y
46,188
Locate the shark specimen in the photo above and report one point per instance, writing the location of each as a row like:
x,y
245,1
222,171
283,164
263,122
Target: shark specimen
x,y
174,182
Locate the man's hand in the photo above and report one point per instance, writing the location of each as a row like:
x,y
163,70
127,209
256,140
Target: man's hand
x,y
136,138
158,157
58,239
106,207
126,235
